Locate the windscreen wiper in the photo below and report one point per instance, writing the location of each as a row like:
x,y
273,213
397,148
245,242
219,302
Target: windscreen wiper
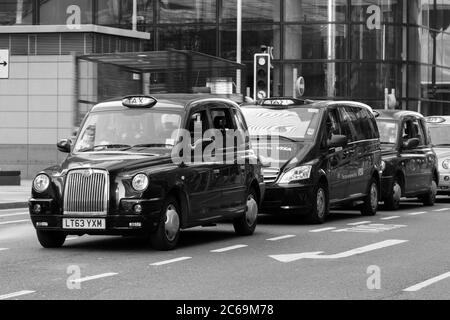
x,y
106,146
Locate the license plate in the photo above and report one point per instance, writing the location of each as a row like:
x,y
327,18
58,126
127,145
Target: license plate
x,y
78,223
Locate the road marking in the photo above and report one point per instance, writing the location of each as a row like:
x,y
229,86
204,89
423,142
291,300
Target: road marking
x,y
428,282
318,254
372,228
15,221
13,214
103,275
170,261
323,229
3,249
416,213
443,209
238,246
358,223
390,218
15,294
281,237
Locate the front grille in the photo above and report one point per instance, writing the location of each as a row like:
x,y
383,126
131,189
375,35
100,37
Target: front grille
x,y
270,174
86,192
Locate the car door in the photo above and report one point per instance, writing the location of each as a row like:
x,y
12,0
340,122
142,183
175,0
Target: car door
x,y
228,173
426,159
411,157
198,174
337,162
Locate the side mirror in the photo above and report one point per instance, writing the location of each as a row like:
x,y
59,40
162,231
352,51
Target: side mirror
x,y
337,141
411,144
64,145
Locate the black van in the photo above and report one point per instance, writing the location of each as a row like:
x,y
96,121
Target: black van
x,y
316,155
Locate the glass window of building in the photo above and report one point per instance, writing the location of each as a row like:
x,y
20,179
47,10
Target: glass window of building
x,y
253,36
61,12
186,11
317,41
119,13
252,11
315,11
375,44
16,12
369,11
201,39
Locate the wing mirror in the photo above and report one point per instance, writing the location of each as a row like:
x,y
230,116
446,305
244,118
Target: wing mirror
x,y
337,141
411,143
64,145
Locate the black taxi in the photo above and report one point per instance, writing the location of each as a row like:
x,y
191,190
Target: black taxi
x,y
409,162
316,155
150,166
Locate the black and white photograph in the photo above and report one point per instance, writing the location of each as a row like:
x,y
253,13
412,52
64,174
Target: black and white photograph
x,y
222,157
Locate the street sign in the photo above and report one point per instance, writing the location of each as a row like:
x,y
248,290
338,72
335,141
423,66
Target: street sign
x,y
300,86
4,63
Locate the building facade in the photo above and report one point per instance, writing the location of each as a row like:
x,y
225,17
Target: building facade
x,y
344,49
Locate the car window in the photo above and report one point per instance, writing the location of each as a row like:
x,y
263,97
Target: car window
x,y
241,127
411,128
347,118
365,124
419,133
333,126
221,119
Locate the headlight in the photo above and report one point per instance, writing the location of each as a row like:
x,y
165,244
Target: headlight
x,y
297,173
41,183
446,164
383,165
140,182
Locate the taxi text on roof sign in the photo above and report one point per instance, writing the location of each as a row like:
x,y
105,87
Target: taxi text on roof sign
x,y
139,101
435,119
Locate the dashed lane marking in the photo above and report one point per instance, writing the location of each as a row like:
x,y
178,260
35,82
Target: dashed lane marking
x,y
238,246
372,228
281,237
427,283
15,294
3,249
99,276
358,223
322,229
416,213
390,218
442,209
13,214
170,261
15,221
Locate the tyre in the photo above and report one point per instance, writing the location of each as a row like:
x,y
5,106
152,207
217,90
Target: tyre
x,y
392,202
245,225
430,198
370,205
51,239
320,205
168,231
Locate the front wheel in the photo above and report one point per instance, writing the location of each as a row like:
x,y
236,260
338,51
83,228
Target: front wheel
x,y
51,239
430,198
168,231
246,224
320,206
370,205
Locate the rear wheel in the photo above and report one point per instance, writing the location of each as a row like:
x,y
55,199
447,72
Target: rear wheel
x,y
51,239
392,202
246,224
320,205
168,231
430,198
370,205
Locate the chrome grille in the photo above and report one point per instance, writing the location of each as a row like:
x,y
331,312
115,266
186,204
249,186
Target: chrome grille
x,y
86,192
270,174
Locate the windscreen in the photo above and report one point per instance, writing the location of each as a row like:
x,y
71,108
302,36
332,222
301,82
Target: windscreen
x,y
388,131
293,123
440,135
125,129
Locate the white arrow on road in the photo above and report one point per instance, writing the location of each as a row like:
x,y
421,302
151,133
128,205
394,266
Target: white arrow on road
x,y
318,254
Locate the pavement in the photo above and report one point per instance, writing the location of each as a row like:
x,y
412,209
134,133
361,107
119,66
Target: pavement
x,y
395,255
15,196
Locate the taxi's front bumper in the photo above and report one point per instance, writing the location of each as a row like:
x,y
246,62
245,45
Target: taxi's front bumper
x,y
124,221
288,198
444,183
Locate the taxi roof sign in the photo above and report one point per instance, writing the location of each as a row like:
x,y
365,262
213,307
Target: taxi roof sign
x,y
435,119
282,101
139,101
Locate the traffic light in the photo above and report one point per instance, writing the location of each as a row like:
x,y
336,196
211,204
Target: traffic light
x,y
261,76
